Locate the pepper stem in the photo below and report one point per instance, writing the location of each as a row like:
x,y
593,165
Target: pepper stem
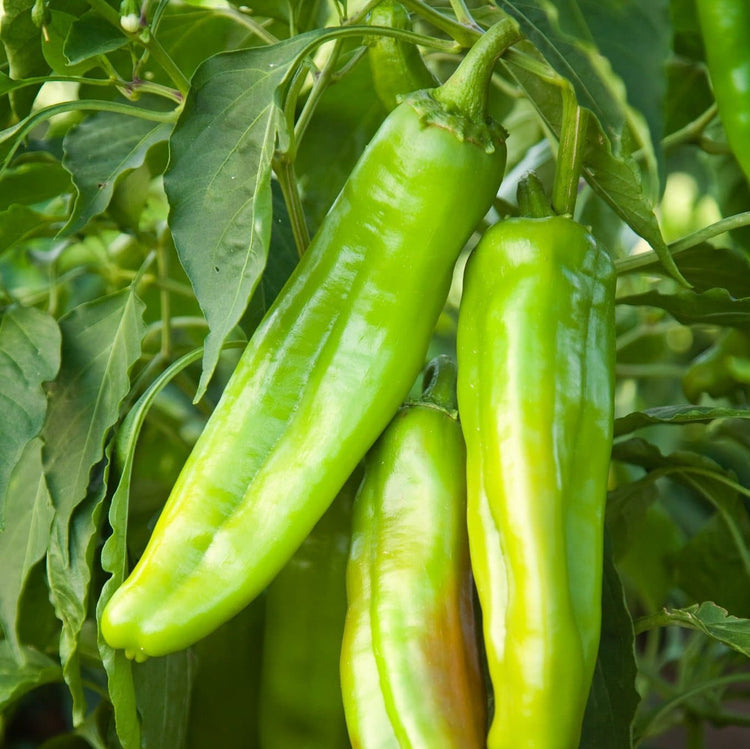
x,y
439,383
532,201
467,90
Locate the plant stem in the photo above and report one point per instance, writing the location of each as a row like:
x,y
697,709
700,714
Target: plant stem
x,y
162,266
644,259
685,696
569,154
168,64
284,170
467,89
463,15
692,131
465,36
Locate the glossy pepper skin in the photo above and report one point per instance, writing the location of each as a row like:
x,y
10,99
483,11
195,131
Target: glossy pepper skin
x,y
325,370
300,693
409,662
725,27
397,67
535,348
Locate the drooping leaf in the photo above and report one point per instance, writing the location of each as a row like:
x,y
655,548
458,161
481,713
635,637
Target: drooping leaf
x,y
98,152
163,687
712,307
120,670
218,180
613,699
101,342
676,415
615,178
29,356
24,540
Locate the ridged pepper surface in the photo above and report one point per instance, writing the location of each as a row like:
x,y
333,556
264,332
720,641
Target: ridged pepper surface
x,y
409,663
325,370
535,392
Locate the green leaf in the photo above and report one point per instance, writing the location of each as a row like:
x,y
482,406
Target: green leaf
x,y
627,506
101,342
98,152
24,540
57,32
90,36
193,35
713,621
707,267
709,566
218,180
713,307
23,48
29,356
120,673
635,38
572,53
616,179
704,477
163,687
33,182
613,699
19,223
675,415
16,680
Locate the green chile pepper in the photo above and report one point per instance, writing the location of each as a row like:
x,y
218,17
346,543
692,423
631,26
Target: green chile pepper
x,y
725,26
325,370
409,662
535,348
397,67
301,704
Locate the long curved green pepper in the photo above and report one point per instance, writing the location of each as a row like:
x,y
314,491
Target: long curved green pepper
x,y
409,662
397,67
535,391
725,26
325,370
300,695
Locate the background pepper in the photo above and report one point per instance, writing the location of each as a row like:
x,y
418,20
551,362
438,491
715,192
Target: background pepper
x,y
300,698
325,370
410,646
397,67
535,391
725,26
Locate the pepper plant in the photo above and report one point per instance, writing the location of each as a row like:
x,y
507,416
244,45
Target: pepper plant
x,y
243,228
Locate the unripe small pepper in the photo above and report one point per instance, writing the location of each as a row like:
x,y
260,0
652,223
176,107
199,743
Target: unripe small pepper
x,y
725,26
409,662
535,392
397,67
325,370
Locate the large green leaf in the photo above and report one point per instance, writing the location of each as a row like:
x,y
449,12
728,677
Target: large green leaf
x,y
613,699
98,152
29,356
101,342
24,540
219,180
